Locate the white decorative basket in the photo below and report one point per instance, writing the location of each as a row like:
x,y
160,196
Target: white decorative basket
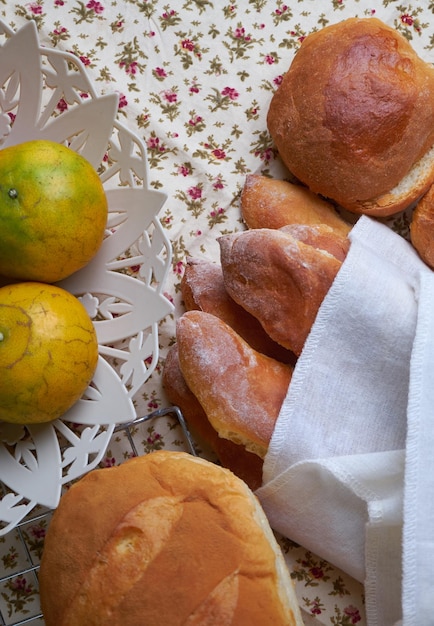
x,y
46,94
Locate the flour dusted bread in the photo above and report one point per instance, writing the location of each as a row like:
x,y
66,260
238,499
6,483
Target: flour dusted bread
x,y
280,279
203,289
240,389
272,203
244,464
166,538
353,118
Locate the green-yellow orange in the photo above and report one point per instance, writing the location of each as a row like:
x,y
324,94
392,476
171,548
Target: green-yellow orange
x,y
48,352
53,211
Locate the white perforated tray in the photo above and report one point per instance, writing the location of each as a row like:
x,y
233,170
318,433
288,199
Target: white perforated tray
x,y
46,94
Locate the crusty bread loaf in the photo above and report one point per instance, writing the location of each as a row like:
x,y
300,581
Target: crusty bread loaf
x,y
422,228
240,389
233,456
279,280
163,539
203,289
353,118
272,203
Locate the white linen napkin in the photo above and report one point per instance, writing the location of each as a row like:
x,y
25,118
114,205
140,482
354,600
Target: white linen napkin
x,y
350,472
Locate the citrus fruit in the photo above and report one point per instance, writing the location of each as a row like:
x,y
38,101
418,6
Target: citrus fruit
x,y
48,352
53,211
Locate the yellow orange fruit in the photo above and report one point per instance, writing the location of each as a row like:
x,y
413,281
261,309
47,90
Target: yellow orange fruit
x,y
53,211
48,352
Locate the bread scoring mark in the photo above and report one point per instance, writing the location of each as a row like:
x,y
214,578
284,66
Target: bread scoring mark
x,y
219,606
140,536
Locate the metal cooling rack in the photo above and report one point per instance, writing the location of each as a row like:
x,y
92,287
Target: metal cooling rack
x,y
29,574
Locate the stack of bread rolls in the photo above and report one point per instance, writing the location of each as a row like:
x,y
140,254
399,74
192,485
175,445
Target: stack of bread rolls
x,y
247,318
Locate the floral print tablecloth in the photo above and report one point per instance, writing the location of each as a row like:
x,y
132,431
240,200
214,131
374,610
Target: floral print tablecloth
x,y
194,79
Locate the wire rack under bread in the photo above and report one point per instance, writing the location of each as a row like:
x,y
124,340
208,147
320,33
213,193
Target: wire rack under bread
x,y
21,582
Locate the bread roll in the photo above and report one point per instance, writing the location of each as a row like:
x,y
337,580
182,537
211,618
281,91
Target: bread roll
x,y
422,228
203,289
244,464
353,118
240,389
272,203
279,280
163,539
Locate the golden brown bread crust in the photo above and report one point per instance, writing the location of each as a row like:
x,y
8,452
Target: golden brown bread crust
x,y
321,237
244,464
203,289
272,203
279,280
422,228
240,389
354,113
165,538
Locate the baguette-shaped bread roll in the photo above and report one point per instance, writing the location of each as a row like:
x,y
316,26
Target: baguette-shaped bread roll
x,y
165,539
233,456
240,389
272,203
203,289
279,280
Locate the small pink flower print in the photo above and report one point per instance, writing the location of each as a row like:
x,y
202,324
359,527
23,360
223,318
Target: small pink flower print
x,y
187,44
123,102
109,461
38,532
194,121
153,143
316,572
216,212
36,9
95,6
60,31
278,80
62,105
217,184
160,72
152,405
353,613
239,33
281,10
58,3
195,193
218,153
183,170
168,14
269,59
198,233
178,268
407,19
170,96
230,92
84,60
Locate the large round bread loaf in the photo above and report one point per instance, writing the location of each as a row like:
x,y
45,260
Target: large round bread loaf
x,y
166,539
353,118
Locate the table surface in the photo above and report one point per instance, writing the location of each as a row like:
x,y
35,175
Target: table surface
x,y
194,80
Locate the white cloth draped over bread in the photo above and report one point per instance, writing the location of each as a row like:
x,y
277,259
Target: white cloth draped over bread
x,y
350,471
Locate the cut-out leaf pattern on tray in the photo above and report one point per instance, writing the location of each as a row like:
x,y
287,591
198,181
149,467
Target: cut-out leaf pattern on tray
x,y
125,304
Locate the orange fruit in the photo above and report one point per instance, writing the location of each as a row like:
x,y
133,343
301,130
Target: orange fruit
x,y
53,211
48,352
